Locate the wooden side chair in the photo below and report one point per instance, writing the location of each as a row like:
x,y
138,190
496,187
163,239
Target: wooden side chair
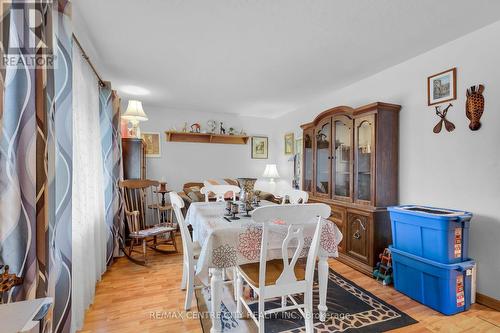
x,y
219,191
190,249
142,214
284,277
295,197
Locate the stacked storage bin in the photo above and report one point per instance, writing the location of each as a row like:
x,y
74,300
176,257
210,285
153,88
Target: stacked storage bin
x,y
429,257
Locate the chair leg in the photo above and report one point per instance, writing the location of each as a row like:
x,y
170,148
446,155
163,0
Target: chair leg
x,y
261,315
172,234
283,301
189,289
308,307
235,284
184,277
239,295
144,246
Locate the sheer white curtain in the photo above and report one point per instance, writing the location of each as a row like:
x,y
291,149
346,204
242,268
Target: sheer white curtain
x,y
89,227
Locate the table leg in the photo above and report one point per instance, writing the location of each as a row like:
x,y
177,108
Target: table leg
x,y
323,286
216,283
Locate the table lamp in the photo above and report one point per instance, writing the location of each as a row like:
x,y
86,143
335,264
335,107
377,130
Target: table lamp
x,y
271,172
135,114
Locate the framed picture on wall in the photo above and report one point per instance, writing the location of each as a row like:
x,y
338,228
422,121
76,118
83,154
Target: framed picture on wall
x,y
289,143
153,147
259,147
442,87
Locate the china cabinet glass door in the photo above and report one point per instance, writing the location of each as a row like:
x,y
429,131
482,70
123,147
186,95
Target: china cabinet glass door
x,y
307,184
365,137
323,158
342,167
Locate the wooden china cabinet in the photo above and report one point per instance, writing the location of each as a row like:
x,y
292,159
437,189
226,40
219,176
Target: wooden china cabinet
x,y
350,162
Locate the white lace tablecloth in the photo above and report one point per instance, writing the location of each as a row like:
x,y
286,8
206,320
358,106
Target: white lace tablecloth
x,y
227,244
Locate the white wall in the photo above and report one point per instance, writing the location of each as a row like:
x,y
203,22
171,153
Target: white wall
x,y
184,162
454,170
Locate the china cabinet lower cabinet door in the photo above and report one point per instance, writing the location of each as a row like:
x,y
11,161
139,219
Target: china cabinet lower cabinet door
x,y
358,236
338,216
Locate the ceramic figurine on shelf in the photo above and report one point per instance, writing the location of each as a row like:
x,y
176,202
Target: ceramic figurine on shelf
x,y
185,128
474,106
222,129
195,128
231,130
212,126
242,132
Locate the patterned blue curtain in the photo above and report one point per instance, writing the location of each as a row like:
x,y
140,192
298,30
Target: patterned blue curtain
x,y
60,225
109,110
36,154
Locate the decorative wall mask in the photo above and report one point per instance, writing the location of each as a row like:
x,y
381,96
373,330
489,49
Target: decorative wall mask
x,y
447,124
474,106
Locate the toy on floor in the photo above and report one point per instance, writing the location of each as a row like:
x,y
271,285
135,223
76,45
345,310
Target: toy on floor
x,y
383,271
7,281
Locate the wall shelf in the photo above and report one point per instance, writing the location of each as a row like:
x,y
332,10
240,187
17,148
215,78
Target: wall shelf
x,y
206,138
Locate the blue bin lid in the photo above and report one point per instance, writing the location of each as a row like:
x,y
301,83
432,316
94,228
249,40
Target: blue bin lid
x,y
459,266
432,212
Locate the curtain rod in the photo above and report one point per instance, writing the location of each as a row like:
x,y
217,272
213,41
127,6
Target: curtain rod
x,y
86,57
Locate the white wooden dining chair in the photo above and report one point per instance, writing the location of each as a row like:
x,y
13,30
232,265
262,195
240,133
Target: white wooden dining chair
x,y
284,277
219,191
190,250
295,196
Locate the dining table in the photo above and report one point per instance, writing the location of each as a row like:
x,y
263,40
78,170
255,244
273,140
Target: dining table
x,y
227,243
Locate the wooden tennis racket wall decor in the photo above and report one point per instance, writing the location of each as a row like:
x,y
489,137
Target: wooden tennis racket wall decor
x,y
447,124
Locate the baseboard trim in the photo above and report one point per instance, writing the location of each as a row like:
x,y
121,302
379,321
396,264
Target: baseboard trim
x,y
488,301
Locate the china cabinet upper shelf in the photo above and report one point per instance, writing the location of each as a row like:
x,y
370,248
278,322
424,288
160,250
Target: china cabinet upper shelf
x,y
206,138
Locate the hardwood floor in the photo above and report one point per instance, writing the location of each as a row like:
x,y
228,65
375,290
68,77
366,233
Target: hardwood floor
x,y
133,298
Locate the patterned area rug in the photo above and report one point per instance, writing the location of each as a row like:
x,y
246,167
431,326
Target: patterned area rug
x,y
350,309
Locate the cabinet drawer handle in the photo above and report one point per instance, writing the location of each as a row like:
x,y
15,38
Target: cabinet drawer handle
x,y
358,220
357,233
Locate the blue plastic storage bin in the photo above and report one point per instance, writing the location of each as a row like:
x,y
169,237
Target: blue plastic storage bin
x,y
445,288
437,234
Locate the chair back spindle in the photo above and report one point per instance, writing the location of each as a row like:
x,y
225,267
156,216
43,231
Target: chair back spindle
x,y
139,196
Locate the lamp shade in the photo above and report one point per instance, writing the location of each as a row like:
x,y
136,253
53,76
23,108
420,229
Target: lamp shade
x,y
271,171
135,111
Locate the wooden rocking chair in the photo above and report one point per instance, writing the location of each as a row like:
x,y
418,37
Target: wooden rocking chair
x,y
143,217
